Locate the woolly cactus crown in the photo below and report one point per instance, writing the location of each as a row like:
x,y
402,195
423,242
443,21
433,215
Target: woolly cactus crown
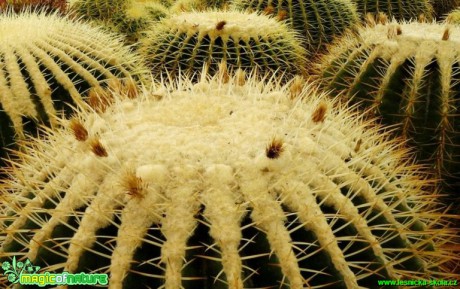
x,y
408,73
231,185
47,60
188,41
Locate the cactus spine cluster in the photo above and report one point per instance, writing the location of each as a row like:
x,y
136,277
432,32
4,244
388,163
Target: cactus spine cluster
x,y
443,7
198,5
223,185
318,21
453,17
186,42
409,74
47,63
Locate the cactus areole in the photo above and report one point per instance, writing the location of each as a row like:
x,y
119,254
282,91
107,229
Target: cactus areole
x,y
236,185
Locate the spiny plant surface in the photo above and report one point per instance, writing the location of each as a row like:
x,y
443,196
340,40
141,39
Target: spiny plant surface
x,y
240,184
318,21
453,17
198,5
398,9
128,17
185,42
443,7
47,63
409,74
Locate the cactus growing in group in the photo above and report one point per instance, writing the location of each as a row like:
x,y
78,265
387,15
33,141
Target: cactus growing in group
x,y
48,63
409,74
185,42
319,22
128,17
397,9
234,184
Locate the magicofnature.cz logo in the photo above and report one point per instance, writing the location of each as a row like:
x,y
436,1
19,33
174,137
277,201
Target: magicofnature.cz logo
x,y
25,273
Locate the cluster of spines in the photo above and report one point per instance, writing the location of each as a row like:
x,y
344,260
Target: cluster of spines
x,y
396,9
358,197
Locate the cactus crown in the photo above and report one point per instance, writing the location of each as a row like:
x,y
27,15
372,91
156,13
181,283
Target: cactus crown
x,y
48,60
409,73
187,41
243,184
318,21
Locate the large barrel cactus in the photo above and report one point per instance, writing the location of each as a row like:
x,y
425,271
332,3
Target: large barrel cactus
x,y
397,9
186,42
224,185
128,17
318,21
409,74
47,63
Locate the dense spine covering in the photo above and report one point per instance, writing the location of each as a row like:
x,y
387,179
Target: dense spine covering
x,y
319,21
186,42
409,74
453,17
48,63
42,5
129,17
234,185
397,9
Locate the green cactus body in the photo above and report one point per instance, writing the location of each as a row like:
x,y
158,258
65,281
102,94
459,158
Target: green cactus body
x,y
443,7
409,74
129,17
318,21
47,62
398,9
224,185
188,41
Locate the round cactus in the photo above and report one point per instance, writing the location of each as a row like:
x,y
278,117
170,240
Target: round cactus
x,y
48,63
188,41
409,74
318,21
224,185
128,17
397,9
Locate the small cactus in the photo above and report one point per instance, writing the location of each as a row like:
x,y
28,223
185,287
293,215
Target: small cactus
x,y
318,21
48,63
234,185
188,41
409,74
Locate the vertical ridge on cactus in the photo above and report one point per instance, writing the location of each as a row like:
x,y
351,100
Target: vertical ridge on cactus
x,y
408,74
49,62
397,9
224,185
188,41
319,22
